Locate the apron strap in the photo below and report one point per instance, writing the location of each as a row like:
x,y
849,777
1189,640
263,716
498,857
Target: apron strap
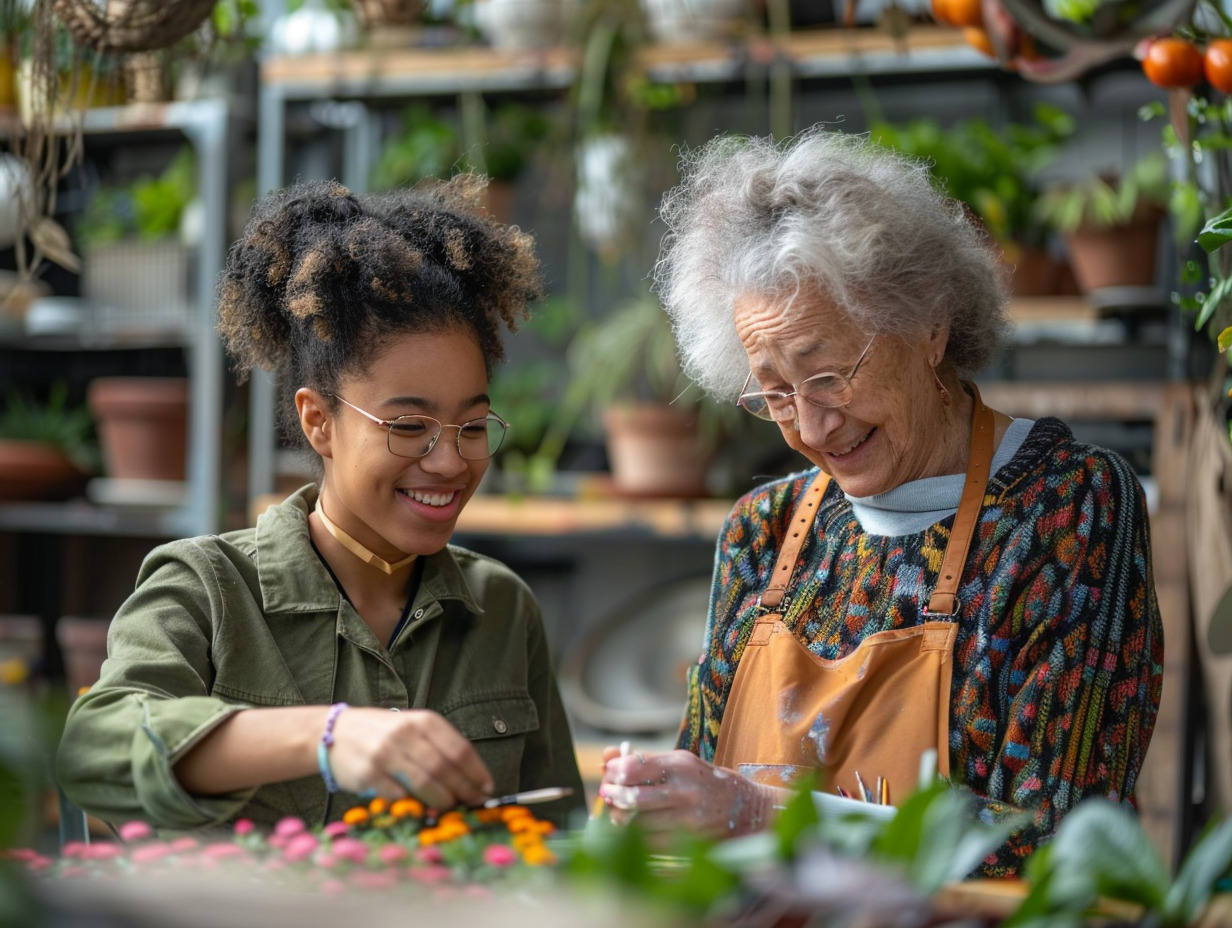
x,y
801,523
944,600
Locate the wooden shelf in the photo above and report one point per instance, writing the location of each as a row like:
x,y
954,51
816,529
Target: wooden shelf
x,y
808,53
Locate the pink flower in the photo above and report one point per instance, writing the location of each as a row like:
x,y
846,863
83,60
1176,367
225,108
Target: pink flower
x,y
350,849
299,847
103,851
244,826
74,849
21,853
499,855
430,874
184,845
276,840
335,829
39,862
333,887
221,850
374,879
290,825
429,855
149,852
393,853
135,831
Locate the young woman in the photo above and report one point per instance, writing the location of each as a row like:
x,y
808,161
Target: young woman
x,y
253,674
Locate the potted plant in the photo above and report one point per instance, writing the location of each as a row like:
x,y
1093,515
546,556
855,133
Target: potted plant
x,y
135,261
995,173
47,449
1111,222
661,433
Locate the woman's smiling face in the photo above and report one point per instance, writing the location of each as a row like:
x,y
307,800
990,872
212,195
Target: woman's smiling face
x,y
396,505
880,439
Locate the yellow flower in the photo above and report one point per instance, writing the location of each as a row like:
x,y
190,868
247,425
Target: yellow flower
x,y
524,839
537,855
14,672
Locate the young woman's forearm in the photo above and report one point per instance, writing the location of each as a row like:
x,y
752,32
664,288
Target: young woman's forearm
x,y
254,747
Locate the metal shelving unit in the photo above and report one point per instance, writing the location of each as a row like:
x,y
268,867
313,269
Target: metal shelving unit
x,y
207,125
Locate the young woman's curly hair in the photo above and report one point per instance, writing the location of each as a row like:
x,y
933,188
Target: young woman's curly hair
x,y
322,277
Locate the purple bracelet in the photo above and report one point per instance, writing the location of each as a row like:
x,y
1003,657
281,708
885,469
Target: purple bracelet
x,y
327,742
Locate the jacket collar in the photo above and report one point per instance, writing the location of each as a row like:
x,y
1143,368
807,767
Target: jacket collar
x,y
294,579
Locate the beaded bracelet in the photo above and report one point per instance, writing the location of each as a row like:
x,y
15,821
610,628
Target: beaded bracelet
x,y
327,742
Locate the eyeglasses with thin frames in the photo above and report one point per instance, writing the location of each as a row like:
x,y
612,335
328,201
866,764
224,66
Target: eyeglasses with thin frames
x,y
416,436
828,390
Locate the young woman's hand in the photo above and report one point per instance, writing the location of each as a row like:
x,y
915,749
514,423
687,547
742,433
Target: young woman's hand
x,y
413,752
676,790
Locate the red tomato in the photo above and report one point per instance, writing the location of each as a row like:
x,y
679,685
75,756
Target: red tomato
x,y
1217,64
1172,62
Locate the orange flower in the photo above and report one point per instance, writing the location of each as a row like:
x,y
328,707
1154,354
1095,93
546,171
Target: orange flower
x,y
377,806
524,839
355,816
489,816
430,836
510,812
406,808
521,823
537,855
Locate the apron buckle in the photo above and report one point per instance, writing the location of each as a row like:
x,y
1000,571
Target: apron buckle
x,y
939,616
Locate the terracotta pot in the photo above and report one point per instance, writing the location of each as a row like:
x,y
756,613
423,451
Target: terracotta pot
x,y
35,470
143,426
1122,256
83,644
655,450
1033,271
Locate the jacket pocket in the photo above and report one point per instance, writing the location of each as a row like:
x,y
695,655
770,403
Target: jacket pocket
x,y
498,726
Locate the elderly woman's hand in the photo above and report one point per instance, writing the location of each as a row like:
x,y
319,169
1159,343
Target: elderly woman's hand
x,y
677,790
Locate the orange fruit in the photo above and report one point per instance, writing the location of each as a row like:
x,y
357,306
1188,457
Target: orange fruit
x,y
958,13
1172,62
979,39
1217,64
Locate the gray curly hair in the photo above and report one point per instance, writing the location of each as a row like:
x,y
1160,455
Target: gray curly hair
x,y
831,214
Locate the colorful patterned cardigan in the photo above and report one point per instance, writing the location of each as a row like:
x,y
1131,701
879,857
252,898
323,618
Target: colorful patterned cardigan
x,y
1058,665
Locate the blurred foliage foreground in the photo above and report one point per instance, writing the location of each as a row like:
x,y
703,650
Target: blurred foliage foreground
x,y
813,867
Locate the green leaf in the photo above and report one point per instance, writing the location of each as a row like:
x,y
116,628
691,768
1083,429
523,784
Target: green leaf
x,y
1100,849
798,817
1224,340
1208,861
1217,232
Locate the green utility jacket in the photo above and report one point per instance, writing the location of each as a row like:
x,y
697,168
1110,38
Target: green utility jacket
x,y
253,618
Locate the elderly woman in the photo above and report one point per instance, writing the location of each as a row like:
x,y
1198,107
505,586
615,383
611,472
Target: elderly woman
x,y
943,577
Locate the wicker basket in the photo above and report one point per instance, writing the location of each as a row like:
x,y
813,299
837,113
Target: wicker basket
x,y
131,25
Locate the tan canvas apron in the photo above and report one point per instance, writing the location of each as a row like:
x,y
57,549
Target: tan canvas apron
x,y
877,709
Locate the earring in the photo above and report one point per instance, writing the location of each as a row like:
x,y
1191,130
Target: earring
x,y
946,399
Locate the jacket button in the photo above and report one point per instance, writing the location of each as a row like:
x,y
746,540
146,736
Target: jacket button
x,y
500,726
418,614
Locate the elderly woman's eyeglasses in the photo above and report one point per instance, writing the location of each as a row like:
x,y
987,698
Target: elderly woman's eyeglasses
x,y
827,390
416,436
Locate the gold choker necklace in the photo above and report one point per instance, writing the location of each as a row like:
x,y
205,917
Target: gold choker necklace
x,y
357,548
